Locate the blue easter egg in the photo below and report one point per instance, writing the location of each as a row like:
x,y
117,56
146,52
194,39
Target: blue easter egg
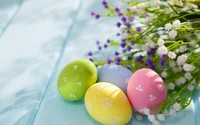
x,y
115,74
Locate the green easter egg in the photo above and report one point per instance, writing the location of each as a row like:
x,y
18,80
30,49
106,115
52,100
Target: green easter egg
x,y
76,78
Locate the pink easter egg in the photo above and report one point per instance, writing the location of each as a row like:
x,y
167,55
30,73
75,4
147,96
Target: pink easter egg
x,y
146,89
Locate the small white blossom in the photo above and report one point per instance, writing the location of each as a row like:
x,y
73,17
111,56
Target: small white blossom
x,y
122,27
133,8
151,118
171,86
171,55
176,24
188,67
161,42
172,112
124,35
182,48
188,76
172,63
146,111
168,26
181,80
156,122
175,69
139,117
146,47
166,113
172,34
152,44
182,59
177,107
160,117
162,50
164,74
190,87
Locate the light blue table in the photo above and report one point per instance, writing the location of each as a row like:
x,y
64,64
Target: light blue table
x,y
37,39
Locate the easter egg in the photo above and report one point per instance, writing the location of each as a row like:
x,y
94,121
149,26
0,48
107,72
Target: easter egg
x,y
76,78
146,89
115,74
108,104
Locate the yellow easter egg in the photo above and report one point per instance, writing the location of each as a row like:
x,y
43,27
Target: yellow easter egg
x,y
108,104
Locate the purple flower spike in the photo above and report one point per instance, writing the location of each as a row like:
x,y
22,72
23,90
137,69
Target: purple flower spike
x,y
99,47
164,56
123,19
92,13
89,53
105,45
97,16
128,67
118,24
108,41
117,59
116,53
97,42
149,62
128,25
129,48
138,29
117,10
131,18
162,62
123,45
108,61
91,59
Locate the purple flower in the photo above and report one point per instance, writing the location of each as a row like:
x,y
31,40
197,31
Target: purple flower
x,y
89,53
92,13
117,9
123,44
91,59
129,48
132,41
120,14
151,52
108,41
97,16
105,45
118,34
99,47
117,59
124,50
146,15
139,59
118,24
116,53
138,29
123,41
108,61
128,25
128,67
117,63
131,18
164,56
97,42
104,4
162,62
153,67
149,62
123,19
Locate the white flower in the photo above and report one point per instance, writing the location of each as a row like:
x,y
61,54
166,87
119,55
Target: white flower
x,y
156,122
181,80
171,86
122,27
176,24
151,118
172,112
172,63
188,67
172,34
139,117
161,42
160,117
168,26
188,76
124,35
146,111
171,55
146,47
162,50
182,59
175,69
152,44
164,74
133,8
177,107
166,112
190,87
182,48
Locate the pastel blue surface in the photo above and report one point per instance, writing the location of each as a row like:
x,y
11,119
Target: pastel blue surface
x,y
37,39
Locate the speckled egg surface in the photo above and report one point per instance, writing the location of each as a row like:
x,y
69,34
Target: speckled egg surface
x,y
76,78
115,74
108,104
146,89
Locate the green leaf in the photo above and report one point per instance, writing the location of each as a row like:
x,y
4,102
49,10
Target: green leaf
x,y
113,43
